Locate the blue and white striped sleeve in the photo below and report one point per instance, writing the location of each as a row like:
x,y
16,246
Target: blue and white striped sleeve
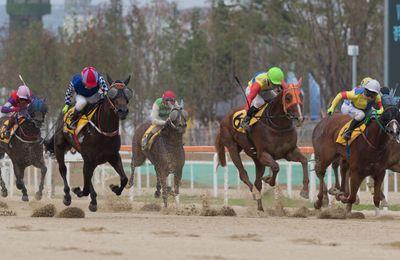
x,y
69,94
103,85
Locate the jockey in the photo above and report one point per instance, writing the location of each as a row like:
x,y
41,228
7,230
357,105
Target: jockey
x,y
18,101
89,87
261,83
160,113
358,102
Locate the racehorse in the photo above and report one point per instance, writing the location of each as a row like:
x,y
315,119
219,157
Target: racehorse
x,y
366,156
101,142
25,147
166,153
274,137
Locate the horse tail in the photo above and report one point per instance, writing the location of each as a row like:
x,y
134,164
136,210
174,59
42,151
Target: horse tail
x,y
219,146
49,144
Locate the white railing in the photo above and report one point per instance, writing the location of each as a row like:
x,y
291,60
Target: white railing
x,y
103,173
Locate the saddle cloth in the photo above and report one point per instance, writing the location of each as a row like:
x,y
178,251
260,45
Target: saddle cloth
x,y
356,133
152,138
3,128
240,115
83,121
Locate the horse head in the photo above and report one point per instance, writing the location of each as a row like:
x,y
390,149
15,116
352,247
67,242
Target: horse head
x,y
292,101
177,119
37,111
119,95
390,120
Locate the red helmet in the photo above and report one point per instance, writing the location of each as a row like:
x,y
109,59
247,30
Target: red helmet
x,y
90,77
169,96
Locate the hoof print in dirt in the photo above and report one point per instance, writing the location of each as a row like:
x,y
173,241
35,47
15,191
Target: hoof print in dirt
x,y
72,212
47,211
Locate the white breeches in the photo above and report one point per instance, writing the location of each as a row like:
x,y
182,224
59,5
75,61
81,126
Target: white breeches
x,y
258,101
82,101
349,109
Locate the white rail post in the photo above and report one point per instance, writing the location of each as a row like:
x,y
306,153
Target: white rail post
x,y
215,175
289,173
395,182
132,189
366,184
28,172
329,177
35,176
226,185
12,182
147,175
69,173
312,178
139,180
238,180
49,176
386,185
191,177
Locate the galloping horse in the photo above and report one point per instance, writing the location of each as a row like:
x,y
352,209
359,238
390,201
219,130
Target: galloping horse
x,y
274,137
25,147
166,153
369,155
101,142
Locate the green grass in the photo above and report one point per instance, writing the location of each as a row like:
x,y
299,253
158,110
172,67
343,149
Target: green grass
x,y
361,207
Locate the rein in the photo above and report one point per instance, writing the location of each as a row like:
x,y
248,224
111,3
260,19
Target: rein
x,y
268,118
98,128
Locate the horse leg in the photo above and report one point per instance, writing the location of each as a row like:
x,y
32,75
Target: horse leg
x,y
157,193
237,161
320,170
93,197
19,176
4,192
258,183
116,163
267,160
163,180
335,189
344,185
59,153
88,169
355,182
177,182
378,179
43,170
297,156
138,158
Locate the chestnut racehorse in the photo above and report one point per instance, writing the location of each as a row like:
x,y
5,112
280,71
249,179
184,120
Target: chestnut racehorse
x,y
274,137
368,155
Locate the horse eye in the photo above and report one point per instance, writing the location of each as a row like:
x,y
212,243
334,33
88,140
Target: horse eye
x,y
288,98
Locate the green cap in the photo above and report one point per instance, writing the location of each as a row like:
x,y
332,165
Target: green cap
x,y
275,75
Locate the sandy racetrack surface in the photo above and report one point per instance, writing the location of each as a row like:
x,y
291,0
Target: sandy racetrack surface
x,y
144,235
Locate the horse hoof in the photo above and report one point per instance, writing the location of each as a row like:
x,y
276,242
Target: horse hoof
x,y
38,196
269,181
4,193
25,198
115,189
384,203
325,201
77,191
67,200
304,194
129,185
317,204
92,207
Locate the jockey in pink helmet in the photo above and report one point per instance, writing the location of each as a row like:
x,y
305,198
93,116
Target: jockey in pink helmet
x,y
18,101
89,86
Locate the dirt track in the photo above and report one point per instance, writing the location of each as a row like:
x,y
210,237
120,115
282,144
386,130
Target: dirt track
x,y
107,235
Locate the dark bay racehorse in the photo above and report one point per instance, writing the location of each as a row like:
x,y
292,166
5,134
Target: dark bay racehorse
x,y
369,154
166,153
101,142
26,148
274,137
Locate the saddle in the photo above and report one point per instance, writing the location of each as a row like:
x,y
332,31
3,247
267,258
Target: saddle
x,y
153,137
3,129
356,133
240,115
83,121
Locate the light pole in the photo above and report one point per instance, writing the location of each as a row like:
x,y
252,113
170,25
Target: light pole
x,y
352,50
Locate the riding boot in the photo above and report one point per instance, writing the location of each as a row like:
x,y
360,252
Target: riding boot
x,y
10,125
145,141
75,118
250,113
353,125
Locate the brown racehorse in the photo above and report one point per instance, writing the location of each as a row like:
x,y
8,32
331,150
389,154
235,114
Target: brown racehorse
x,y
274,137
368,154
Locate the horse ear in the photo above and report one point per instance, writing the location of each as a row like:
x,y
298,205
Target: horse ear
x,y
109,79
300,82
284,84
126,82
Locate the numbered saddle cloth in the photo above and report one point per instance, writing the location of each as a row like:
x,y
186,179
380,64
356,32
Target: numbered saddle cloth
x,y
83,121
356,133
240,115
146,142
3,129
